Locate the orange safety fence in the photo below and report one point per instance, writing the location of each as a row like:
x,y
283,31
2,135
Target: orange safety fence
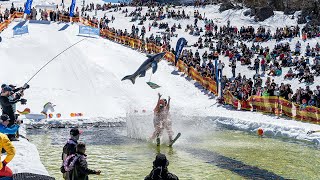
x,y
64,18
18,14
75,19
286,107
169,56
267,104
231,100
5,23
182,67
158,49
212,86
3,26
308,113
195,75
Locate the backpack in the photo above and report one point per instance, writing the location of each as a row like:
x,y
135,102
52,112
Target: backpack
x,y
69,163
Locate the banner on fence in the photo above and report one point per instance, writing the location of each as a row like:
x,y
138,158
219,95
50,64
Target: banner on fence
x,y
89,30
20,30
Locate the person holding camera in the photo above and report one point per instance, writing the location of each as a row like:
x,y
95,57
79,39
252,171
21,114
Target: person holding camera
x,y
7,104
160,169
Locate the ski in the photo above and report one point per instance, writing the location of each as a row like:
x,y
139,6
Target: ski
x,y
174,140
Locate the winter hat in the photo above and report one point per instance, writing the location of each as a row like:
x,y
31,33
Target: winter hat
x,y
7,88
3,85
4,117
75,132
160,161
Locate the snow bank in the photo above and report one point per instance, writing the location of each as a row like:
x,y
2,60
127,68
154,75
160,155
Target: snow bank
x,y
27,157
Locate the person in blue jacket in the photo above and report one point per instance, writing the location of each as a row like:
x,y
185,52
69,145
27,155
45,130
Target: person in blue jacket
x,y
4,125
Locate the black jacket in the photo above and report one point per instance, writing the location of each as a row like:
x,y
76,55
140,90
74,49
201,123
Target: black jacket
x,y
69,148
161,174
81,170
6,105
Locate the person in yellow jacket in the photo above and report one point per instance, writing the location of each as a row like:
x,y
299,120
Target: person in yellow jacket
x,y
6,144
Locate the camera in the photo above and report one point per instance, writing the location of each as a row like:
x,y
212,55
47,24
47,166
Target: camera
x,y
23,101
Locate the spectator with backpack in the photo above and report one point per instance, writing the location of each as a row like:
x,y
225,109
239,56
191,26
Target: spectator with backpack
x,y
70,148
76,164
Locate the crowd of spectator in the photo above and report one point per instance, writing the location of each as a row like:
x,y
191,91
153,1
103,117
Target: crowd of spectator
x,y
230,42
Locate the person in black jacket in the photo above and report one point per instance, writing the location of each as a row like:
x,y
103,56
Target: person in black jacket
x,y
70,148
6,103
81,170
160,169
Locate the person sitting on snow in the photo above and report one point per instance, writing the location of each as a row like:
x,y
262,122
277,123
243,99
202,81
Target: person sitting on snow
x,y
4,125
290,74
160,169
6,144
161,119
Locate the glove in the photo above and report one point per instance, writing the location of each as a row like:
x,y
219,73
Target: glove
x,y
18,95
4,164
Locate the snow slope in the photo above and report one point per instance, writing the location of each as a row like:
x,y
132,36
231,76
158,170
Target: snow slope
x,y
26,158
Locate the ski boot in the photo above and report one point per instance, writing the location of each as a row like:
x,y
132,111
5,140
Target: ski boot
x,y
158,141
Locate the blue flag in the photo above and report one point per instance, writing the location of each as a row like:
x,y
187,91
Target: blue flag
x,y
27,9
73,4
180,44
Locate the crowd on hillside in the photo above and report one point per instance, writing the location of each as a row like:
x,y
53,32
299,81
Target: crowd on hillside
x,y
229,41
226,40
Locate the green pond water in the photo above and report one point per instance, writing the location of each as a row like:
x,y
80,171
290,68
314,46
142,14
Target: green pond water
x,y
219,154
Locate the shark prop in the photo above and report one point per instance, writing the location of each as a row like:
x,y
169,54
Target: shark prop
x,y
151,62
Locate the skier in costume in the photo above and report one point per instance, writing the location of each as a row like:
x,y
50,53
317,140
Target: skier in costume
x,y
161,119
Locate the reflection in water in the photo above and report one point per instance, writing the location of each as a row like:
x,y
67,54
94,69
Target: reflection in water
x,y
196,156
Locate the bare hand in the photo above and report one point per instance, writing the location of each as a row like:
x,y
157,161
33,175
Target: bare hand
x,y
169,97
98,172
